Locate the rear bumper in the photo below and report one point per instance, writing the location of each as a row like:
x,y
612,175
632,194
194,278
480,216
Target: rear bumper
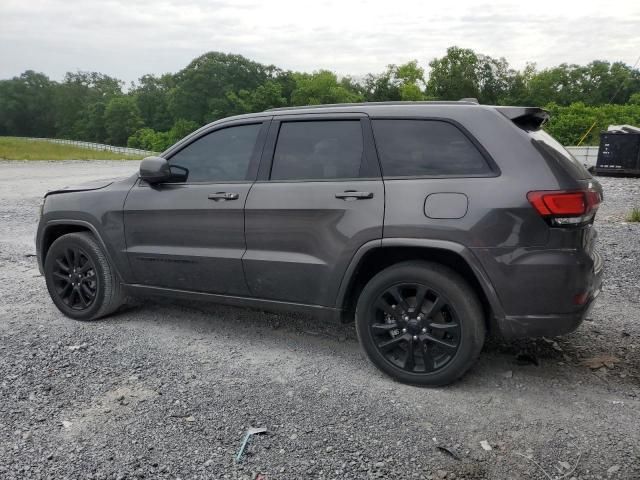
x,y
544,325
540,295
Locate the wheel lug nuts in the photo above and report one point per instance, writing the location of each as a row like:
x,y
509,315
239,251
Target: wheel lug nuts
x,y
424,330
393,307
404,330
406,318
415,337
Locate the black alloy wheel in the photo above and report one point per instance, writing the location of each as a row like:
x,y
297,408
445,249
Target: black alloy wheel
x,y
74,274
415,328
81,281
421,323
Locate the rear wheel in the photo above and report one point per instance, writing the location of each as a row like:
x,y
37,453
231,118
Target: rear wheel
x,y
80,280
420,323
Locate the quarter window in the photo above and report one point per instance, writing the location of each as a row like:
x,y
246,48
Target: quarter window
x,y
220,156
414,148
318,150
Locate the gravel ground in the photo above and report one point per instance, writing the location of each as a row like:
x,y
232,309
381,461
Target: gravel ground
x,y
167,390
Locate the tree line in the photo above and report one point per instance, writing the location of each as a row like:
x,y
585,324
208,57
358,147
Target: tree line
x,y
158,110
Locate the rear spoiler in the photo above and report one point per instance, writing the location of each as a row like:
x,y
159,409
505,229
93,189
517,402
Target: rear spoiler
x,y
529,118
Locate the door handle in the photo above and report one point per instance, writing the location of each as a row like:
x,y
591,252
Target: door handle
x,y
223,196
355,195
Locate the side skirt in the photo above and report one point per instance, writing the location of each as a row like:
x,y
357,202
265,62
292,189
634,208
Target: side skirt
x,y
329,314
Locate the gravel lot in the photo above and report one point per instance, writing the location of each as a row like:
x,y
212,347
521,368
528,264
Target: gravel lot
x,y
165,390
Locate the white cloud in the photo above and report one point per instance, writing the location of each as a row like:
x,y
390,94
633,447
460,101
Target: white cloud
x,y
127,39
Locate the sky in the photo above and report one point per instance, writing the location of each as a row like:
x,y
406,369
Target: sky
x,y
129,38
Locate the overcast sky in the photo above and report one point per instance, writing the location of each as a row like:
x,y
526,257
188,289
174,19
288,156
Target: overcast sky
x,y
128,38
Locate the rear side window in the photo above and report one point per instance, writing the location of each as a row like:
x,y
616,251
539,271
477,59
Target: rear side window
x,y
318,150
556,155
415,148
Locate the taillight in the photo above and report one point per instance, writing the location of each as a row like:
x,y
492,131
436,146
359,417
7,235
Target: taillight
x,y
562,207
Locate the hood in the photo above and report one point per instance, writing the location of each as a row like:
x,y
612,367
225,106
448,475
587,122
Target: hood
x,y
84,187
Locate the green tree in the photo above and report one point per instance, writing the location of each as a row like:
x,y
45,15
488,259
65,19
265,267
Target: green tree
x,y
75,94
322,87
159,110
121,119
201,88
26,105
454,76
381,87
462,73
267,95
569,123
181,129
397,82
91,123
149,139
410,80
152,98
517,92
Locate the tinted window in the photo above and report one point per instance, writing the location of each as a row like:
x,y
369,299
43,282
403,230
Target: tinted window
x,y
318,150
556,155
410,148
220,156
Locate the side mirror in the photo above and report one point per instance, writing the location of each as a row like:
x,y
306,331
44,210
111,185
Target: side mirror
x,y
157,170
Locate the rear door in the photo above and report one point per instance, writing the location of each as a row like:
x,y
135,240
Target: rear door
x,y
190,235
319,197
436,179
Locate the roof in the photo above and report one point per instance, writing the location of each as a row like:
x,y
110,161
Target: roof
x,y
527,117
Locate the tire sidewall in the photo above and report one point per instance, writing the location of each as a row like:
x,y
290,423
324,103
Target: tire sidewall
x,y
101,276
460,298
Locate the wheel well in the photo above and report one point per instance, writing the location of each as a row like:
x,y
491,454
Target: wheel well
x,y
56,231
380,258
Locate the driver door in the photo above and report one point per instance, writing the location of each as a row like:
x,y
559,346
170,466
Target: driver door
x,y
190,235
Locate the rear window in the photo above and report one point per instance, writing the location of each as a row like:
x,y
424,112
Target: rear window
x,y
415,148
556,155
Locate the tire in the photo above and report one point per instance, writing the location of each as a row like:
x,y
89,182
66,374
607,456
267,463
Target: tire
x,y
91,289
427,342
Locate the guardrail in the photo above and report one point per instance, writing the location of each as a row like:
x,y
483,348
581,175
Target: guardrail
x,y
586,155
93,146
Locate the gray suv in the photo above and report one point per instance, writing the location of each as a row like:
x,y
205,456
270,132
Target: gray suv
x,y
428,223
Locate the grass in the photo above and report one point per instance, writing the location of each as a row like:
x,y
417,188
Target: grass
x,y
12,148
634,215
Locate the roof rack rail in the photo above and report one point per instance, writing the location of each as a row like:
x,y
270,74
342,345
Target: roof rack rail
x,y
464,101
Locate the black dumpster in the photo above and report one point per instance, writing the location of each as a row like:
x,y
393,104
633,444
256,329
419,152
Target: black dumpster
x,y
619,153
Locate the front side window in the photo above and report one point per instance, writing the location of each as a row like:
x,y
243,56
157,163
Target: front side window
x,y
318,150
414,148
220,156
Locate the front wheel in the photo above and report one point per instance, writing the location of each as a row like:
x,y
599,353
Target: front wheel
x,y
421,323
81,282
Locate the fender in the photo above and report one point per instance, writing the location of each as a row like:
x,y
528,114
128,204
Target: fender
x,y
80,223
453,247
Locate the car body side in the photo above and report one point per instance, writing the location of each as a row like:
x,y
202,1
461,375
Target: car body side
x,y
525,273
